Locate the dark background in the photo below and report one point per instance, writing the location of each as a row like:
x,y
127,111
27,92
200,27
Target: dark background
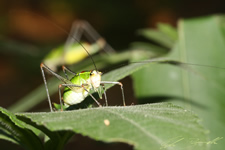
x,y
26,35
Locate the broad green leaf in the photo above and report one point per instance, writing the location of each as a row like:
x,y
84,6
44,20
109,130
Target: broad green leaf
x,y
154,126
221,22
201,41
18,132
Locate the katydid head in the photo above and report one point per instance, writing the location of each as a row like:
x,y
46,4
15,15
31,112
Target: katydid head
x,y
95,78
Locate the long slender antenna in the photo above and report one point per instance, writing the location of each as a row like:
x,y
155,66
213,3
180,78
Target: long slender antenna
x,y
62,29
159,60
202,65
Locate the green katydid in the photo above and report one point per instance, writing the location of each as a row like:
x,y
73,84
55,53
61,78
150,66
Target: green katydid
x,y
72,52
78,87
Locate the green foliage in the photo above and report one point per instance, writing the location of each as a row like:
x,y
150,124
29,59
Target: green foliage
x,y
166,35
143,126
196,89
201,89
17,131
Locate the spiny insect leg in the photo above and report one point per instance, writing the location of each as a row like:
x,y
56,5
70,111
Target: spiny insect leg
x,y
64,68
46,87
60,97
42,66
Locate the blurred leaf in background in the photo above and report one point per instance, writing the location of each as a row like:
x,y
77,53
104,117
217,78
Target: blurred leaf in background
x,y
201,41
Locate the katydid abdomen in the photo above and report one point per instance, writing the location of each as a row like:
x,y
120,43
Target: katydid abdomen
x,y
71,97
76,94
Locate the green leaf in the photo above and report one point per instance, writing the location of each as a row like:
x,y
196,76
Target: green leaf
x,y
18,132
154,50
201,41
154,126
122,72
167,29
165,35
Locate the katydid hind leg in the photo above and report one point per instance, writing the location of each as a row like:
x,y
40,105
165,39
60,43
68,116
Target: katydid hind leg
x,y
55,74
74,35
46,87
43,66
83,28
93,35
64,68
